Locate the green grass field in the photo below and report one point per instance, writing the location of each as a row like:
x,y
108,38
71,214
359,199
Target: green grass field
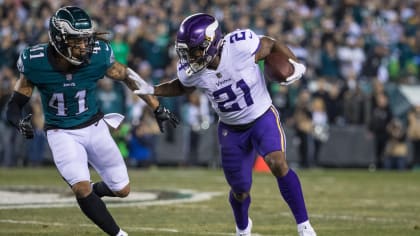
x,y
340,203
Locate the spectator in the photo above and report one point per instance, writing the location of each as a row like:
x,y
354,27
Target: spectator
x,y
374,59
335,105
320,130
142,142
396,153
329,37
304,126
351,56
280,97
120,47
9,136
329,61
111,96
8,55
380,117
38,145
196,116
414,134
354,101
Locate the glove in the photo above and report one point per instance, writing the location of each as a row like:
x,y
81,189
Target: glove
x,y
162,115
25,127
297,74
143,87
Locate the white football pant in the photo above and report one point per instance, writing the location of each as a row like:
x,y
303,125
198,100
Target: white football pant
x,y
73,149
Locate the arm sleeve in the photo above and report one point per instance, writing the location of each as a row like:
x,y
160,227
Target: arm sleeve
x,y
14,108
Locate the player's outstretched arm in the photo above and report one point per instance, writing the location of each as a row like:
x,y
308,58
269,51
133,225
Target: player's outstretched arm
x,y
133,80
21,95
172,88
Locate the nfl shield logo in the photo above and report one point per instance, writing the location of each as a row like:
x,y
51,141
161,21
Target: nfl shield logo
x,y
69,77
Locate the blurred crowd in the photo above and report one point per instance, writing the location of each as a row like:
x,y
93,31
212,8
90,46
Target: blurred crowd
x,y
357,53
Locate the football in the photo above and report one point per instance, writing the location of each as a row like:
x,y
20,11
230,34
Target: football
x,y
277,67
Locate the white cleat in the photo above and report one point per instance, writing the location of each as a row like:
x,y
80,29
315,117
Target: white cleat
x,y
246,231
121,233
305,229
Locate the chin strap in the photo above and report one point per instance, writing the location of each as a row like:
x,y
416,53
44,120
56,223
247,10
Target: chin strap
x,y
69,59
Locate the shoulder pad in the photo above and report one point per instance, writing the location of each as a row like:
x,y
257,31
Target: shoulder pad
x,y
243,42
32,57
103,50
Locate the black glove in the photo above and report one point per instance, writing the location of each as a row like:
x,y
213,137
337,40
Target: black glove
x,y
162,115
25,127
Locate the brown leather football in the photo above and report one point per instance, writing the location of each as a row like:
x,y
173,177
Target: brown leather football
x,y
277,67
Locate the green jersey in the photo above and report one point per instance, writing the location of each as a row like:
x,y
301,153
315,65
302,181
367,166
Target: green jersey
x,y
68,100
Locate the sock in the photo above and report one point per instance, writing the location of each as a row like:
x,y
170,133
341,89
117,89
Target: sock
x,y
240,210
101,189
291,191
95,209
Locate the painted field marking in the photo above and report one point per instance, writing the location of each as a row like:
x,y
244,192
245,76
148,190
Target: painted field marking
x,y
354,218
18,200
135,229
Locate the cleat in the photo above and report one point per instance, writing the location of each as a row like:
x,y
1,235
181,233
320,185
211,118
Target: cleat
x,y
246,231
122,233
305,229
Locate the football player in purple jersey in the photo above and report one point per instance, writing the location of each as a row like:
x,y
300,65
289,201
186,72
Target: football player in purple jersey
x,y
226,69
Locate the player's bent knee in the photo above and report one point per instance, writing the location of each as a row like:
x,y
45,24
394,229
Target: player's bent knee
x,y
123,192
277,163
81,189
240,196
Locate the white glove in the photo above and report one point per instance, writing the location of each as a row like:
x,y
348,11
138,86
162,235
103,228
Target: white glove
x,y
297,74
143,87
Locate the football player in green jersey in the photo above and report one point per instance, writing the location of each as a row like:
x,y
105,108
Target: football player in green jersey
x,y
65,71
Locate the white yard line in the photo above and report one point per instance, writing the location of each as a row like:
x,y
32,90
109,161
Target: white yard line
x,y
33,222
135,229
354,218
176,231
361,218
